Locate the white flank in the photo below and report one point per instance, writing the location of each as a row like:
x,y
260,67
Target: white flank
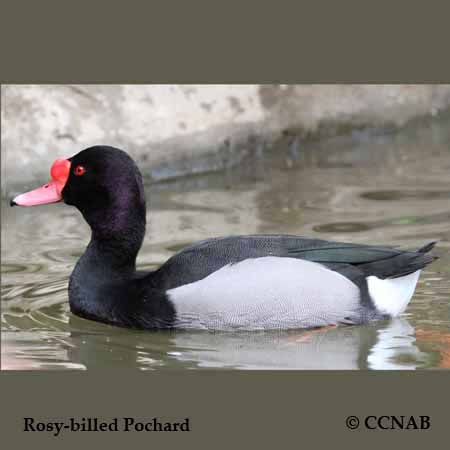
x,y
266,293
391,296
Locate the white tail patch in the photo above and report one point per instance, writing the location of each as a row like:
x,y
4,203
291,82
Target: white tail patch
x,y
392,295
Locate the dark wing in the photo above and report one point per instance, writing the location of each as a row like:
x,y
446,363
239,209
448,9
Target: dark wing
x,y
382,262
354,261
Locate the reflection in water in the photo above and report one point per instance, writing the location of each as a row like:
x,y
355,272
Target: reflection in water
x,y
395,348
406,195
348,227
387,345
391,189
341,227
338,348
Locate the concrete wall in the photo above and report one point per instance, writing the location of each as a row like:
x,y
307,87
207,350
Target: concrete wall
x,y
178,129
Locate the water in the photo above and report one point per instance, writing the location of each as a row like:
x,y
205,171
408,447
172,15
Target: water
x,y
382,188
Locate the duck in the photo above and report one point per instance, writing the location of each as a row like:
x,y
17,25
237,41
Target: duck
x,y
245,282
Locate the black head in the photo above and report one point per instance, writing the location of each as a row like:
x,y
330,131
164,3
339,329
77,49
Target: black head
x,y
105,184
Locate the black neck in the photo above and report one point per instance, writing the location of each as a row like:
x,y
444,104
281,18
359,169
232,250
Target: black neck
x,y
117,235
116,253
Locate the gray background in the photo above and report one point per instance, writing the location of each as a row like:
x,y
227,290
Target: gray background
x,y
178,129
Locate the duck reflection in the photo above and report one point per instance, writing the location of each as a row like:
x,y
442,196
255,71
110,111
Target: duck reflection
x,y
382,346
386,345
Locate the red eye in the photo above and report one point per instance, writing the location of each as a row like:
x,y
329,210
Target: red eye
x,y
79,170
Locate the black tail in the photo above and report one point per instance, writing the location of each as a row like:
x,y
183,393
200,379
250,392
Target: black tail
x,y
427,248
400,264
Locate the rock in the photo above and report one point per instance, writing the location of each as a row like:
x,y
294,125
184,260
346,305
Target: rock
x,y
177,129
